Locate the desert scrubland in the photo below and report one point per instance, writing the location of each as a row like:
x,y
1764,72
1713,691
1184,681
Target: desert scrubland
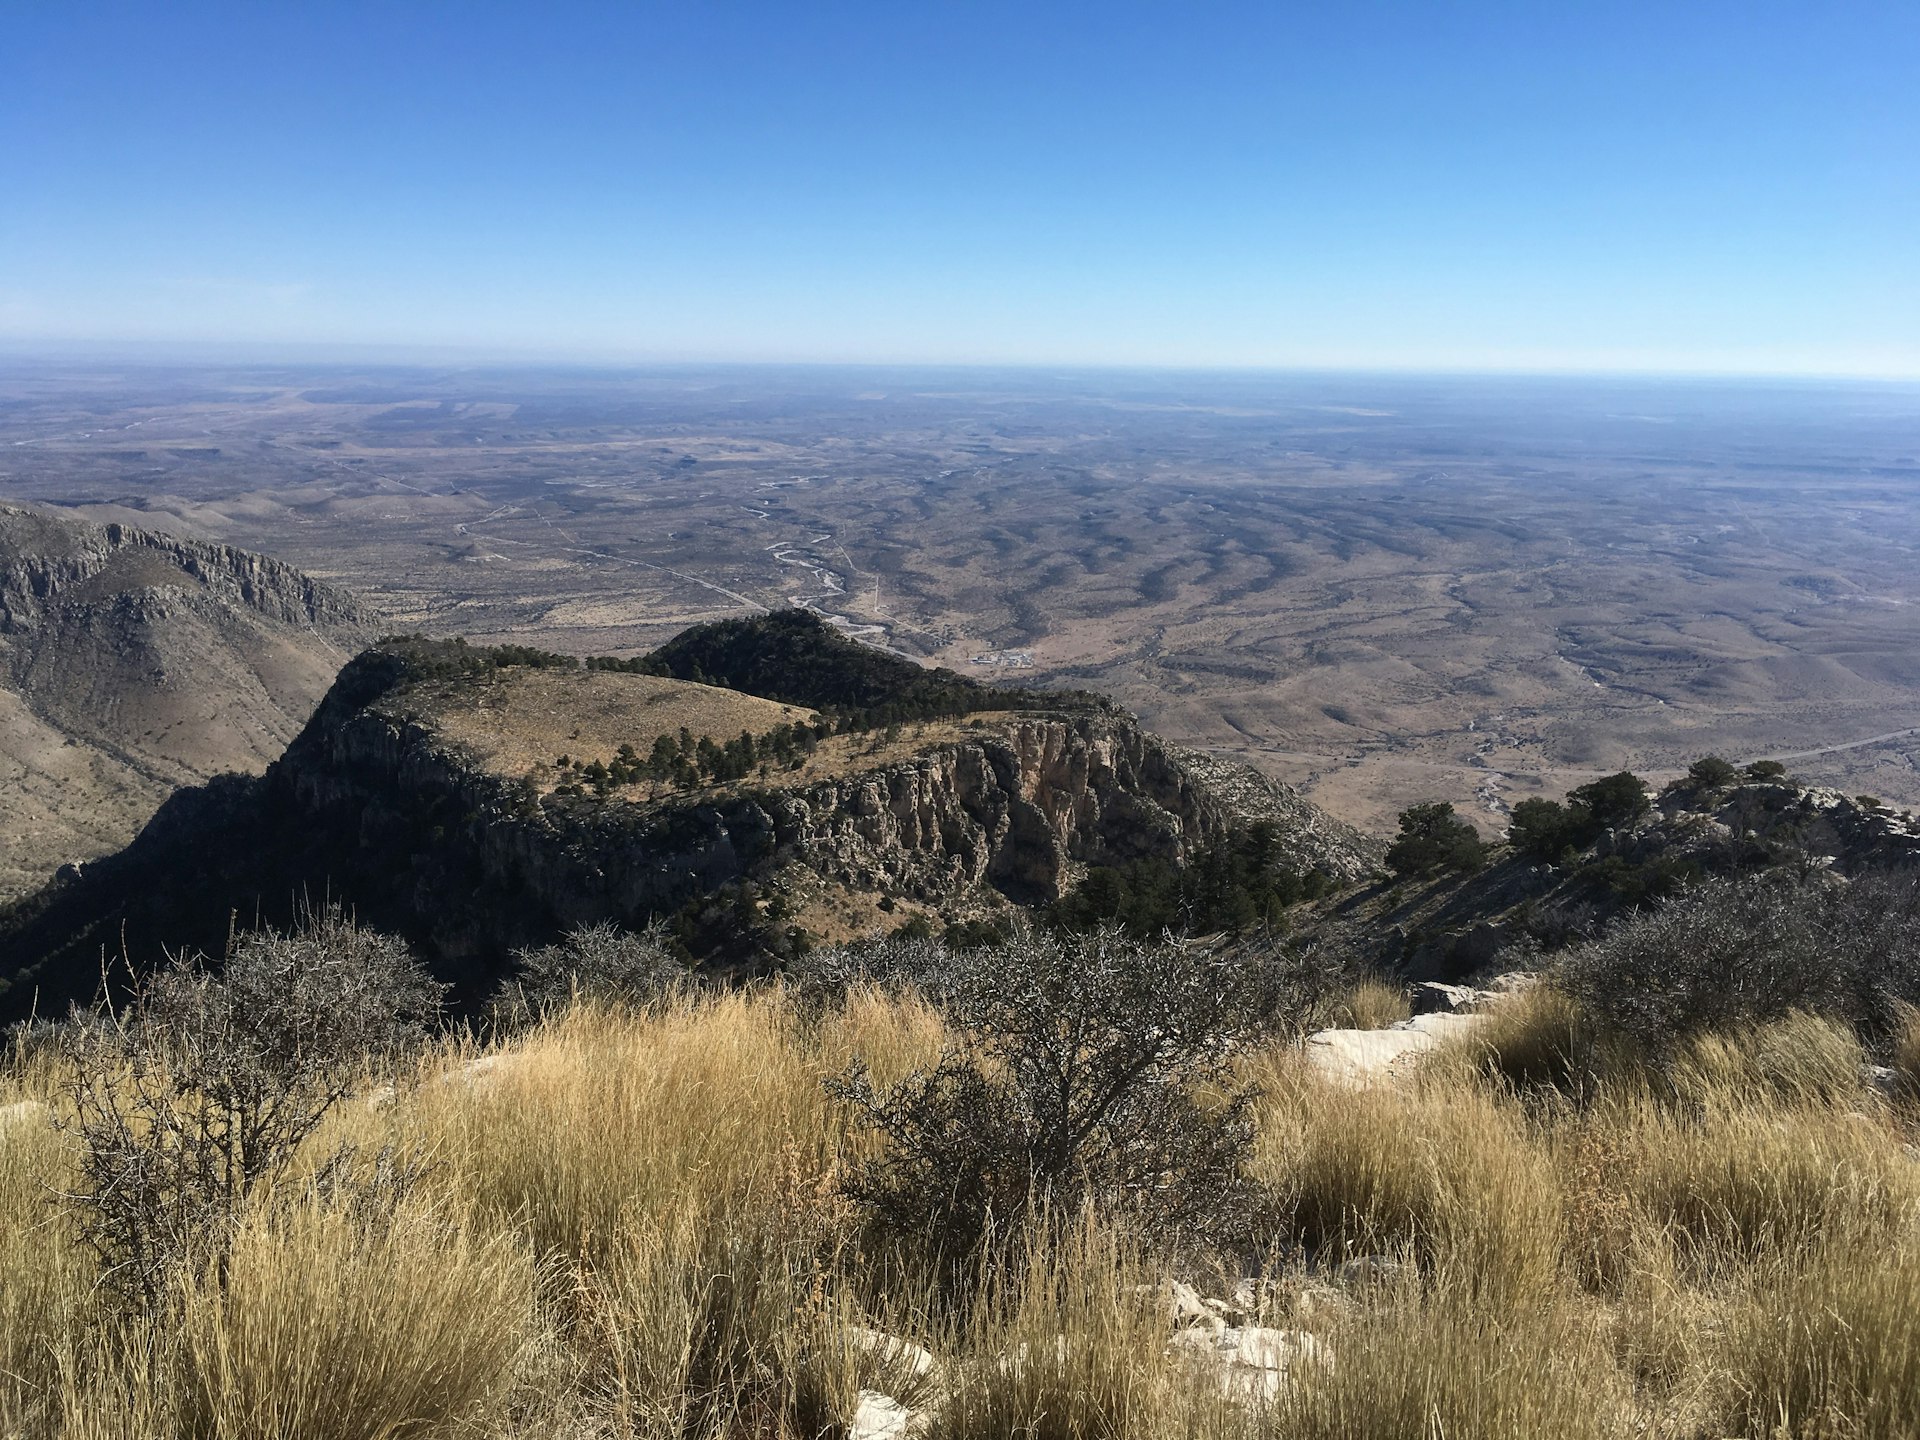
x,y
1383,590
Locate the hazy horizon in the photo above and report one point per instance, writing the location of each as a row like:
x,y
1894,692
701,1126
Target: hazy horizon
x,y
399,356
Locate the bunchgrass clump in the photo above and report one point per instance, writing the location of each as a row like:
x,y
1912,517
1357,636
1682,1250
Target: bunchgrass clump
x,y
1534,1037
1428,1363
1443,1171
325,1325
1826,1343
46,1276
1372,1004
1904,1053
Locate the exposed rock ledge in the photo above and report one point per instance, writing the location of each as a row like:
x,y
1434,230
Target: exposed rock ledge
x,y
1023,805
49,561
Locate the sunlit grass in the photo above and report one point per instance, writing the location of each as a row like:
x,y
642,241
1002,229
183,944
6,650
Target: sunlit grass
x,y
629,1225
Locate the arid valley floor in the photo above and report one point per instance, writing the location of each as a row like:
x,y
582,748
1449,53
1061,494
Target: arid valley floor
x,y
1382,590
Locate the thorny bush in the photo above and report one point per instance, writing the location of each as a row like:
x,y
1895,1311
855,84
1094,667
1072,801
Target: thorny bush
x,y
1086,1069
597,963
191,1100
1727,952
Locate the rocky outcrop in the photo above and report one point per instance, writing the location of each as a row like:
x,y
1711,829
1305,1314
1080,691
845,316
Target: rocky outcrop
x,y
132,663
1449,927
50,563
372,804
1308,837
1022,806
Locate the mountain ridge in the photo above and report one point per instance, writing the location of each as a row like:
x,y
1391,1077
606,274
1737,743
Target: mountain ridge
x,y
862,824
132,662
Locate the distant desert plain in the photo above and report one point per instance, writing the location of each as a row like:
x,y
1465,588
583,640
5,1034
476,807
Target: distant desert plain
x,y
1379,589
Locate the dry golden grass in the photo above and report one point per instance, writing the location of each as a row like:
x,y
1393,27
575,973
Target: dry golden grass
x,y
328,1326
1733,1186
1534,1037
1798,1060
525,718
1905,1057
44,1277
1371,1005
1072,1343
631,1229
595,1120
1444,1172
693,1327
1430,1364
1826,1344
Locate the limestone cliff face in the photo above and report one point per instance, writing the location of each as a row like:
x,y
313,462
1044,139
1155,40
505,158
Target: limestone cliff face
x,y
50,563
460,846
1021,806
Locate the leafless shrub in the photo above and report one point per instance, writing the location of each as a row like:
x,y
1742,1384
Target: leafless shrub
x,y
600,963
191,1101
900,962
1077,1078
1732,952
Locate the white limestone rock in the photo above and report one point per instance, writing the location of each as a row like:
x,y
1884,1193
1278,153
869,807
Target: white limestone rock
x,y
907,1365
1254,1362
881,1417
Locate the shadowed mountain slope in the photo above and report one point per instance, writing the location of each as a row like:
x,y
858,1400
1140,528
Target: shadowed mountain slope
x,y
1449,926
478,800
132,663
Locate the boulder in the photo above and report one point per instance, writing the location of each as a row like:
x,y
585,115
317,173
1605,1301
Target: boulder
x,y
1321,1305
1310,1303
1436,995
1185,1306
1254,1361
482,1072
1365,1056
1514,982
1252,1298
906,1364
1883,1078
881,1417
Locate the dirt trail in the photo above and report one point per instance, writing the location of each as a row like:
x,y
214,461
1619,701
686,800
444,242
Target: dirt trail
x,y
1836,749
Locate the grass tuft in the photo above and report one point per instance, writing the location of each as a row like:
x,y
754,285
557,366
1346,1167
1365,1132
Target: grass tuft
x,y
1430,1365
1533,1037
327,1329
1372,1005
1444,1171
1827,1344
632,1226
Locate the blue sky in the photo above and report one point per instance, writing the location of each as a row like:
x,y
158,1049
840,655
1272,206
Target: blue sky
x,y
1549,185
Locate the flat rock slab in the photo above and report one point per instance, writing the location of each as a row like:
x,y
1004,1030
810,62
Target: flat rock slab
x,y
881,1417
1254,1361
1366,1056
